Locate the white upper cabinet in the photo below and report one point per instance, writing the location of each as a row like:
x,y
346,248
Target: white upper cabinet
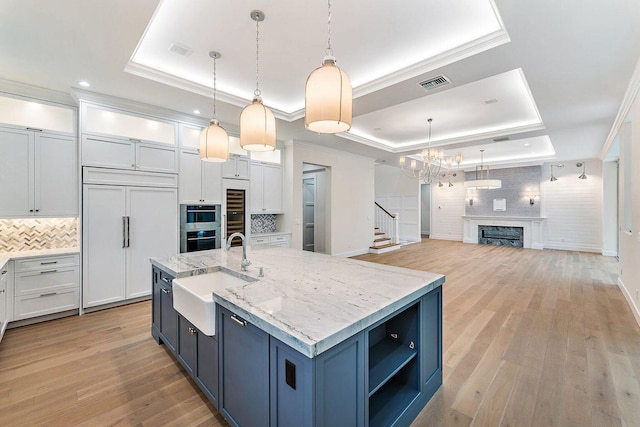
x,y
102,121
37,115
190,136
274,156
113,139
238,164
266,188
200,182
38,174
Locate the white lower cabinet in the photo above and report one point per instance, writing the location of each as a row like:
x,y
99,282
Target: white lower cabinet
x,y
46,285
281,239
123,226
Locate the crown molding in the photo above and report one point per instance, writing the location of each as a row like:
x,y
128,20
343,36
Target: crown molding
x,y
35,92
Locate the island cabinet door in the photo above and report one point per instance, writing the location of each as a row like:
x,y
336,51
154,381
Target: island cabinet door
x,y
187,343
244,367
168,314
340,384
207,369
291,384
432,339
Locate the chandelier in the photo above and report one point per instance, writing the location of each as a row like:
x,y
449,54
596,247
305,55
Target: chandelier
x,y
482,181
428,168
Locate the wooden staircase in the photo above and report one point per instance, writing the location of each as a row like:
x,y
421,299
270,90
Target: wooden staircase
x,y
382,243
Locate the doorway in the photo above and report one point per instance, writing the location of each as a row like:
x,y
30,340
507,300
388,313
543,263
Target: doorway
x,y
315,208
425,210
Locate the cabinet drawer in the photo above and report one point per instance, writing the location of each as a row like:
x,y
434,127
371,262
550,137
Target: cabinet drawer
x,y
281,244
46,303
259,240
279,239
36,282
47,263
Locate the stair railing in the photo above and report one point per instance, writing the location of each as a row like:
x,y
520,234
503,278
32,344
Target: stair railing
x,y
387,223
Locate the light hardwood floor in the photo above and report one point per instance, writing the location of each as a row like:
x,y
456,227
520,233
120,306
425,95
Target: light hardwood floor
x,y
531,338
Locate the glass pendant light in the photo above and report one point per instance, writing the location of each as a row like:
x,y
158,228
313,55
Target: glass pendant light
x,y
328,95
257,123
214,141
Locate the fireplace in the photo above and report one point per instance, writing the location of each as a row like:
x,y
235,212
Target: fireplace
x,y
499,235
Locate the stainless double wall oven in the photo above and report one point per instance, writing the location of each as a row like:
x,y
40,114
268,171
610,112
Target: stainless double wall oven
x,y
200,227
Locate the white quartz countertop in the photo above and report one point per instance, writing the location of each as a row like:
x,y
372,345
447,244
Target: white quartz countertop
x,y
309,301
271,233
5,257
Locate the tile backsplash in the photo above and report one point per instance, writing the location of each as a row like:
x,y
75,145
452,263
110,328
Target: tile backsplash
x,y
38,233
263,223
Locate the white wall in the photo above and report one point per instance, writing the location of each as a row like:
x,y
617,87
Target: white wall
x,y
610,208
399,194
351,198
630,242
447,209
573,207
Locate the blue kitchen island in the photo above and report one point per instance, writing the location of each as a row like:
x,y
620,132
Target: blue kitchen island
x,y
302,339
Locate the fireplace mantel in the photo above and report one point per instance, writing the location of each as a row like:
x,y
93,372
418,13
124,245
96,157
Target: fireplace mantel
x,y
533,232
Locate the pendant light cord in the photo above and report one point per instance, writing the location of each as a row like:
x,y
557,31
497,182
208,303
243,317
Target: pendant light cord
x,y
329,51
214,88
257,91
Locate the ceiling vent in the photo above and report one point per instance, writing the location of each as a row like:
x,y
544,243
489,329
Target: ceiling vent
x,y
180,50
435,82
502,138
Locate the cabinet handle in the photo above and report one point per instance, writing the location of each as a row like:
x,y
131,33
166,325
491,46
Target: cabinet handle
x,y
48,262
1,291
192,331
50,294
34,129
238,320
124,231
4,272
166,291
48,271
37,210
30,210
134,140
128,232
165,280
133,165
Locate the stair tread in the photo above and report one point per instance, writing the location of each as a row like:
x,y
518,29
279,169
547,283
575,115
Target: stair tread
x,y
378,233
388,245
382,239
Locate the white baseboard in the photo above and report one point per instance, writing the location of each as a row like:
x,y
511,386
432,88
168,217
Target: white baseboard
x,y
634,308
445,237
572,247
609,253
353,253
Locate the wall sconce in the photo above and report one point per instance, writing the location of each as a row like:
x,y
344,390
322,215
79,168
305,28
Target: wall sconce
x,y
532,196
470,197
553,178
582,165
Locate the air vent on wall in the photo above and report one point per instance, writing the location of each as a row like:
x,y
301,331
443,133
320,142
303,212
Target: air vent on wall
x,y
180,50
435,82
502,138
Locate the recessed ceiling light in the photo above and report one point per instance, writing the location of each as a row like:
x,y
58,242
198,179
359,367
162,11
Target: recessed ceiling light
x,y
377,128
196,111
526,144
84,83
491,101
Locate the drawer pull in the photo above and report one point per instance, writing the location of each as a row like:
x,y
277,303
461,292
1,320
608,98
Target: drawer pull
x,y
165,280
238,320
166,291
48,271
50,294
192,331
4,272
48,262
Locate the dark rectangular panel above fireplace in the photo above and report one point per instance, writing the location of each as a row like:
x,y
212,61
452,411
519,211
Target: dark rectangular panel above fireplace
x,y
499,235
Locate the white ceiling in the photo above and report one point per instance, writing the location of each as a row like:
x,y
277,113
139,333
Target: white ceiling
x,y
559,70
